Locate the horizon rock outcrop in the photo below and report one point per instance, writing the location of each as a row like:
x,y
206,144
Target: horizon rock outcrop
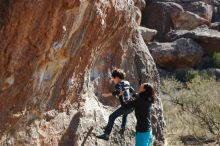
x,y
55,58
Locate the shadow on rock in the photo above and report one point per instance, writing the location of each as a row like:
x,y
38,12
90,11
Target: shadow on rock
x,y
70,136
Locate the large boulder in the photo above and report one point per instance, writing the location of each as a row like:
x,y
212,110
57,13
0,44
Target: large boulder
x,y
54,62
165,16
209,39
182,53
157,15
147,34
200,8
187,20
208,9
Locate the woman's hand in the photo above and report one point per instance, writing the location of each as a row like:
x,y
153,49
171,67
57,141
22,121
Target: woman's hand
x,y
106,94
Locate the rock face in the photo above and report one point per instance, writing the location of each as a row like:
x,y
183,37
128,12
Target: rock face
x,y
147,34
157,15
55,59
179,54
208,38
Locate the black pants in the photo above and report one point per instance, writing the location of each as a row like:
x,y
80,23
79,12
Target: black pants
x,y
121,111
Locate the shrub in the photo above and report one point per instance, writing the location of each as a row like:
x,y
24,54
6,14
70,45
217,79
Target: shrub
x,y
186,75
192,74
216,60
205,75
192,108
207,62
180,75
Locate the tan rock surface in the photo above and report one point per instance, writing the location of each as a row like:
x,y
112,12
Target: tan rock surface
x,y
55,58
187,20
147,34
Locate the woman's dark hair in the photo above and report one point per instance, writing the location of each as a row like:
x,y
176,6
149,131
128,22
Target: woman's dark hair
x,y
150,92
118,73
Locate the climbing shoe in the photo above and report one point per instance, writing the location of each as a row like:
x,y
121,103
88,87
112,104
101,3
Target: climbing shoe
x,y
103,136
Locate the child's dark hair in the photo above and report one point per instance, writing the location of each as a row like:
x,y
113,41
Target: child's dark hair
x,y
150,92
118,73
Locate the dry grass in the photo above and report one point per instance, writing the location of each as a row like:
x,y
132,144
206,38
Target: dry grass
x,y
192,111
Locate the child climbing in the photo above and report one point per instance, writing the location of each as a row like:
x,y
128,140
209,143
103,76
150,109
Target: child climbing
x,y
121,85
142,104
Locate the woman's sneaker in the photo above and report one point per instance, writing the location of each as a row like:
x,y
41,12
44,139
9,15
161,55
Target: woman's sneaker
x,y
103,136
